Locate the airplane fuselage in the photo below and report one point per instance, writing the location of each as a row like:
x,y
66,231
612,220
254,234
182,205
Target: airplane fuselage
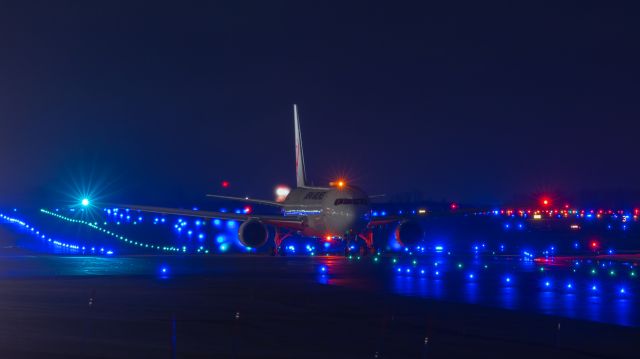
x,y
329,211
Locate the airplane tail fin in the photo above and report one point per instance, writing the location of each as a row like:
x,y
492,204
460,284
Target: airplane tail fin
x,y
301,175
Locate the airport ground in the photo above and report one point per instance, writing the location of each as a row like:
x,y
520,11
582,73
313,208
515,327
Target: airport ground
x,y
492,301
263,307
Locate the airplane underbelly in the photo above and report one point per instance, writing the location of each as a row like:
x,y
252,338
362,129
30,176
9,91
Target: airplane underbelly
x,y
316,226
341,223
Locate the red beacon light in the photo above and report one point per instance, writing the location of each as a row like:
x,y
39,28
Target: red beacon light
x,y
546,202
594,245
224,184
454,205
247,209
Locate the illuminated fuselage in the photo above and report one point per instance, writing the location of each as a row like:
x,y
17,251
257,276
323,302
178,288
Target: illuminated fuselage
x,y
333,211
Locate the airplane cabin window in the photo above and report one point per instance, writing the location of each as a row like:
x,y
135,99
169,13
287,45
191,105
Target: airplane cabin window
x,y
354,201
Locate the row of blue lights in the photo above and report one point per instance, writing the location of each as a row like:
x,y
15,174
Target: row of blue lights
x,y
508,280
115,235
181,226
73,248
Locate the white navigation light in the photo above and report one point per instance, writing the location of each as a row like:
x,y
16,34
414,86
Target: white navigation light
x,y
281,193
85,202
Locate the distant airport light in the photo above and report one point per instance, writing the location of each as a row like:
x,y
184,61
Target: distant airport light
x,y
537,216
545,202
85,202
454,205
247,209
422,211
224,184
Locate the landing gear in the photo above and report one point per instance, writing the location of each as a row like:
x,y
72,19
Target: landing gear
x,y
277,243
368,241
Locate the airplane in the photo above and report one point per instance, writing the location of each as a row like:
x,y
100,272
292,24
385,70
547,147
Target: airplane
x,y
341,211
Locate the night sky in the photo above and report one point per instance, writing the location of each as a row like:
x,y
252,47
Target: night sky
x,y
472,102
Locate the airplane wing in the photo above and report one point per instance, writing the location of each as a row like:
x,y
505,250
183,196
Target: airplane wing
x,y
383,220
380,221
246,200
293,222
373,196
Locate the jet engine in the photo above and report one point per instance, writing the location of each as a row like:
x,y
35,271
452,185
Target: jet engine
x,y
253,233
409,232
